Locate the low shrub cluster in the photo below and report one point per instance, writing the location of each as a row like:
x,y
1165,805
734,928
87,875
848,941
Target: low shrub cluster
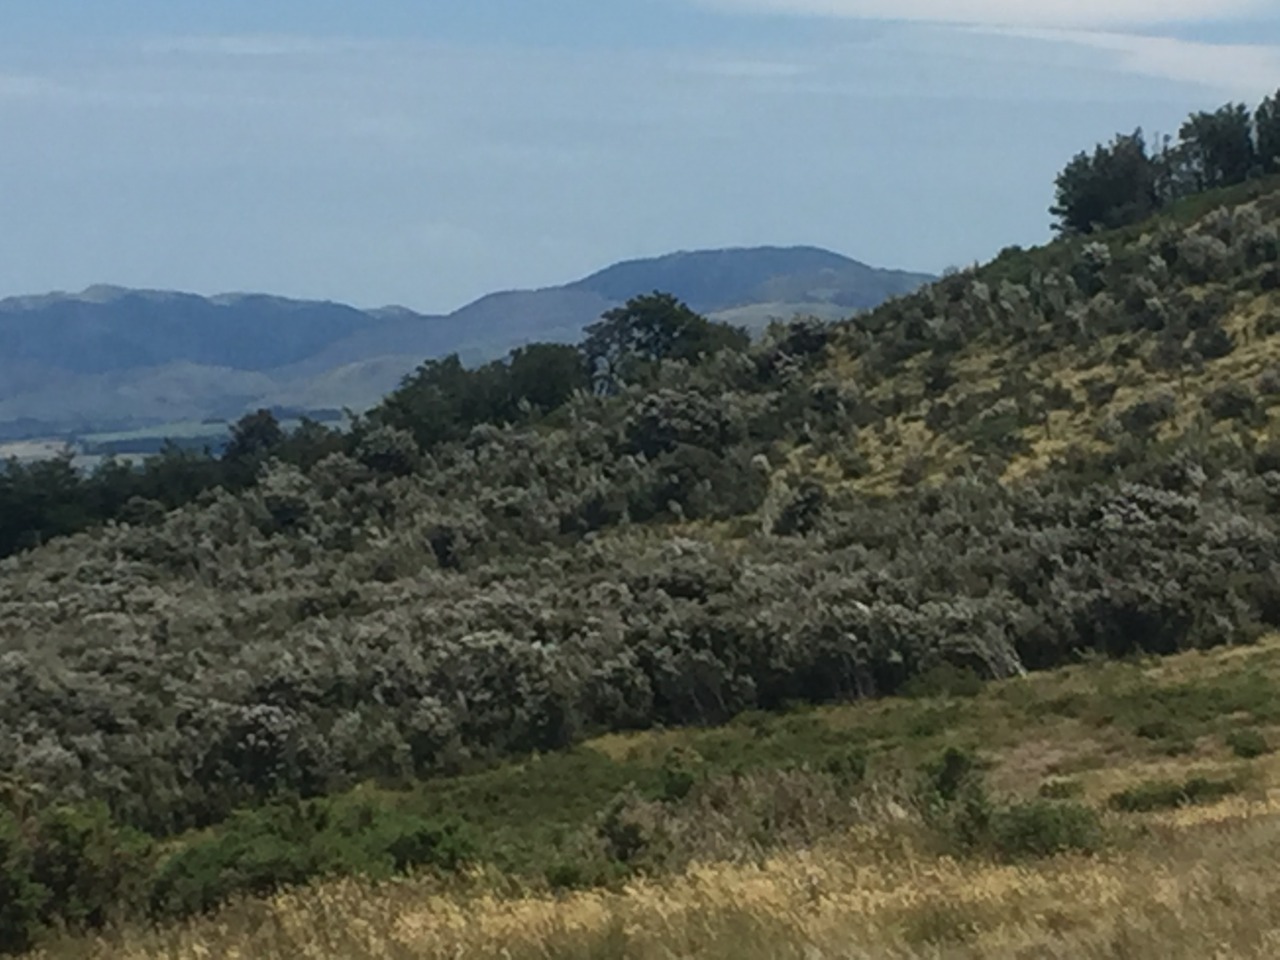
x,y
73,869
967,819
1168,794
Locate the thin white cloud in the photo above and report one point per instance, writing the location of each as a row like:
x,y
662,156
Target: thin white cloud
x,y
1237,70
1078,14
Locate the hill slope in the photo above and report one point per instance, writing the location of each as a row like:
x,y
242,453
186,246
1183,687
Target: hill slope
x,y
1065,455
825,860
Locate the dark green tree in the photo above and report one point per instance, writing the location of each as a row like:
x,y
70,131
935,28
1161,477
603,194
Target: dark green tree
x,y
629,340
546,375
254,436
310,443
1116,185
1266,122
1218,148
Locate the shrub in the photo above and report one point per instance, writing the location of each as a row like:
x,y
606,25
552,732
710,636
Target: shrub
x,y
1168,794
848,767
1146,415
969,820
802,512
1231,401
1061,789
1043,828
681,770
946,776
1248,743
1213,342
1268,382
70,868
22,899
259,852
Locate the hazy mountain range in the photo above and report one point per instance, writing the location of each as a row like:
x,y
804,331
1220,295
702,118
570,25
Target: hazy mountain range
x,y
111,358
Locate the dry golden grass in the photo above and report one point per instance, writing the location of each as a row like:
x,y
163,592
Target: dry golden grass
x,y
1202,884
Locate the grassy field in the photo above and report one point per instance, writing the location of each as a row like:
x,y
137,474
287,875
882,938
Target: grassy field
x,y
1173,755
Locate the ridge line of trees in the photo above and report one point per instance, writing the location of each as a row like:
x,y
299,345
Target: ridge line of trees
x,y
440,402
1128,180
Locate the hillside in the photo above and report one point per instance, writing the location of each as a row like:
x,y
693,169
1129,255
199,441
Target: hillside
x,y
802,861
1063,456
111,358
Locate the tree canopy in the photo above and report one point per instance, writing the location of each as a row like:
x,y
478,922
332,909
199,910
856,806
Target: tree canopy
x,y
647,330
1125,181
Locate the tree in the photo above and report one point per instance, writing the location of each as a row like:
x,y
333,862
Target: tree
x,y
310,443
647,330
546,375
437,403
1266,124
1218,147
254,436
1115,186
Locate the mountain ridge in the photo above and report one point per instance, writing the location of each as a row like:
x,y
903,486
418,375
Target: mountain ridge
x,y
108,353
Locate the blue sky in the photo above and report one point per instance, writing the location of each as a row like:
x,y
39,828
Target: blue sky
x,y
428,152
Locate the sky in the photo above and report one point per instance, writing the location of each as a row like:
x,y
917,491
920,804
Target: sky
x,y
426,152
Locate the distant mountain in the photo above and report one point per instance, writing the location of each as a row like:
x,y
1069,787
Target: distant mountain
x,y
113,357
711,281
107,329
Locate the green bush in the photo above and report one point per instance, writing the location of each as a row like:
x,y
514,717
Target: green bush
x,y
1231,401
1043,828
946,776
1248,743
849,767
1168,794
68,868
967,819
1061,789
22,899
681,771
287,844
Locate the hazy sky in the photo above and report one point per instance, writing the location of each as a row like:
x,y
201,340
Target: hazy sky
x,y
427,151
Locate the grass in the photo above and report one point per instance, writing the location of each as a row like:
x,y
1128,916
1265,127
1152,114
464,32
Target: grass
x,y
1099,842
1196,889
1092,724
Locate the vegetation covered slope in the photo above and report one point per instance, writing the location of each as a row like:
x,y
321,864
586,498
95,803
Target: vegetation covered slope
x,y
1063,453
824,834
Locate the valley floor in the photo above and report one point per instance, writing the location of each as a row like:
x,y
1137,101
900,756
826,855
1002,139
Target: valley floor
x,y
1183,880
